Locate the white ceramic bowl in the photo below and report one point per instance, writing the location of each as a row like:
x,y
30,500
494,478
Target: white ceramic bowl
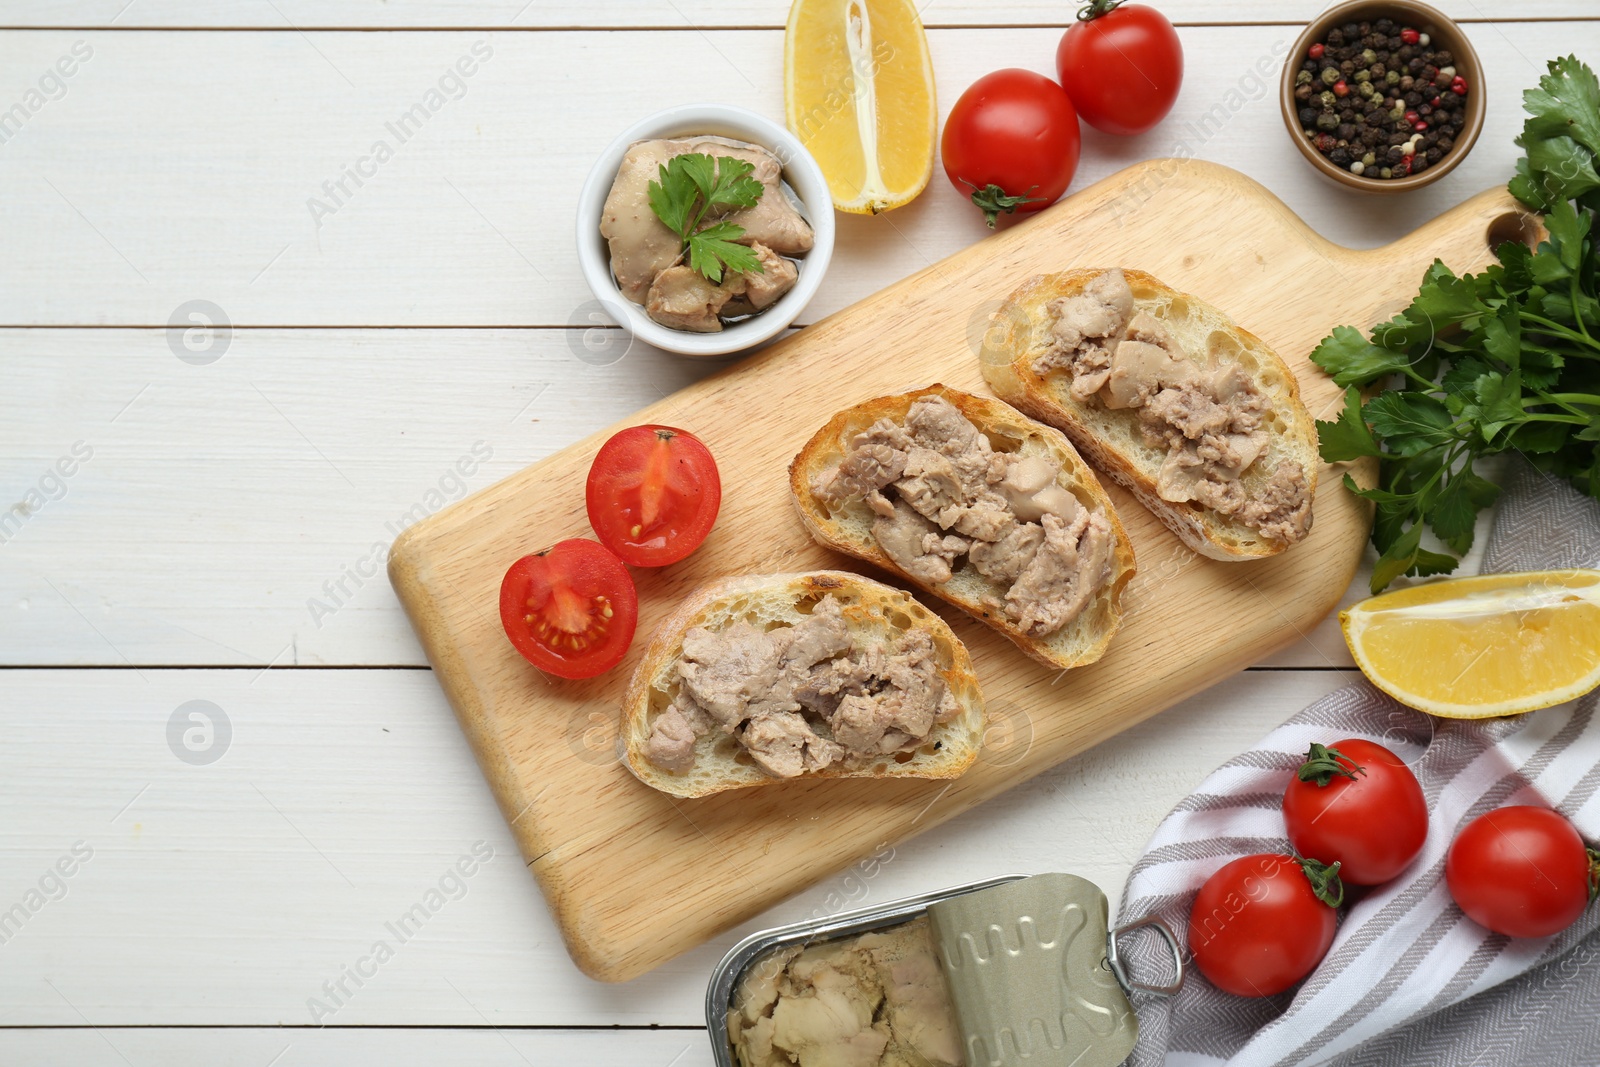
x,y
799,170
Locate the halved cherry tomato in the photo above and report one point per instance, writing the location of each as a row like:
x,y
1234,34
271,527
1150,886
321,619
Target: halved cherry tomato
x,y
653,493
571,609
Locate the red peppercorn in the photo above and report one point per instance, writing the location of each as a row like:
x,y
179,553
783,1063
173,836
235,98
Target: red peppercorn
x,y
1340,88
1317,51
1435,102
1402,168
1411,118
1410,36
1458,85
1419,126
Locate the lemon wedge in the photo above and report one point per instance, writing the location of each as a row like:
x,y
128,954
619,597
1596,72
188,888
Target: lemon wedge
x,y
1472,648
858,92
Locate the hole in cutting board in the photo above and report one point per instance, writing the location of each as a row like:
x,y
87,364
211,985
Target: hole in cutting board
x,y
1515,226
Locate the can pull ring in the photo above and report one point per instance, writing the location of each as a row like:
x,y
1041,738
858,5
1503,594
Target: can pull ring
x,y
1118,968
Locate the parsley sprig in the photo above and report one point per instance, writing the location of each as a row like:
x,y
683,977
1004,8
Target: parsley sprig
x,y
1502,361
691,185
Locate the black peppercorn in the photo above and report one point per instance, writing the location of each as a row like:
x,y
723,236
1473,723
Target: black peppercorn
x,y
1340,156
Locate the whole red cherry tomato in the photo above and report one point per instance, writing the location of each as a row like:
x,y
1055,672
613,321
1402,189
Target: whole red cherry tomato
x,y
1522,872
653,494
1264,922
1011,142
571,609
1122,65
1356,804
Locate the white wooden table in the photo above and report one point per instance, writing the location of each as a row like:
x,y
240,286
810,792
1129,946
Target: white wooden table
x,y
204,517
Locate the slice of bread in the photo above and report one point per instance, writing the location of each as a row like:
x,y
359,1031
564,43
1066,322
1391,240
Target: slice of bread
x,y
1020,333
875,615
849,529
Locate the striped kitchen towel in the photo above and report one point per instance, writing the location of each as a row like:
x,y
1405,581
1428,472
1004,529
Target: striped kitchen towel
x,y
1409,979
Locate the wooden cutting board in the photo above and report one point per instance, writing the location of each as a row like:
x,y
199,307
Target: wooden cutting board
x,y
635,877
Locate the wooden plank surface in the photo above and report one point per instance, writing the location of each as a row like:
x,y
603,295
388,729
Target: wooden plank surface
x,y
663,14
216,894
581,820
110,1046
470,223
394,411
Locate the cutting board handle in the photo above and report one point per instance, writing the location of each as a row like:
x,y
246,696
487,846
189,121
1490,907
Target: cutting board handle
x,y
1464,237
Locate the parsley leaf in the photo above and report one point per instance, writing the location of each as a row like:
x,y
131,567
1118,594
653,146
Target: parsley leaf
x,y
1409,423
672,198
1352,360
1564,108
713,248
1456,510
1348,438
735,187
1499,402
1566,102
690,186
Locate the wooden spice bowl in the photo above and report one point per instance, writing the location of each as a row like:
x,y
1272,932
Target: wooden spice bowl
x,y
1441,32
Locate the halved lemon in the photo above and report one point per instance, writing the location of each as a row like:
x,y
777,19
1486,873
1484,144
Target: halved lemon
x,y
858,92
1472,648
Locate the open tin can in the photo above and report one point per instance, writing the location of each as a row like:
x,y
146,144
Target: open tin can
x,y
1031,966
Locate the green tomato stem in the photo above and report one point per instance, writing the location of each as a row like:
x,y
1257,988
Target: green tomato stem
x,y
1323,763
1324,879
1095,8
992,200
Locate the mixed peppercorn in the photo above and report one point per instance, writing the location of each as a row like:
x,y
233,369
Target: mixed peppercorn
x,y
1378,100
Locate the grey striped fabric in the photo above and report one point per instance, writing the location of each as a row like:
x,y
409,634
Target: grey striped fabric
x,y
1410,979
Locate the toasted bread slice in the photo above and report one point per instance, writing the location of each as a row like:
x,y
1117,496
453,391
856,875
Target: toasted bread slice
x,y
849,529
875,615
1112,439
